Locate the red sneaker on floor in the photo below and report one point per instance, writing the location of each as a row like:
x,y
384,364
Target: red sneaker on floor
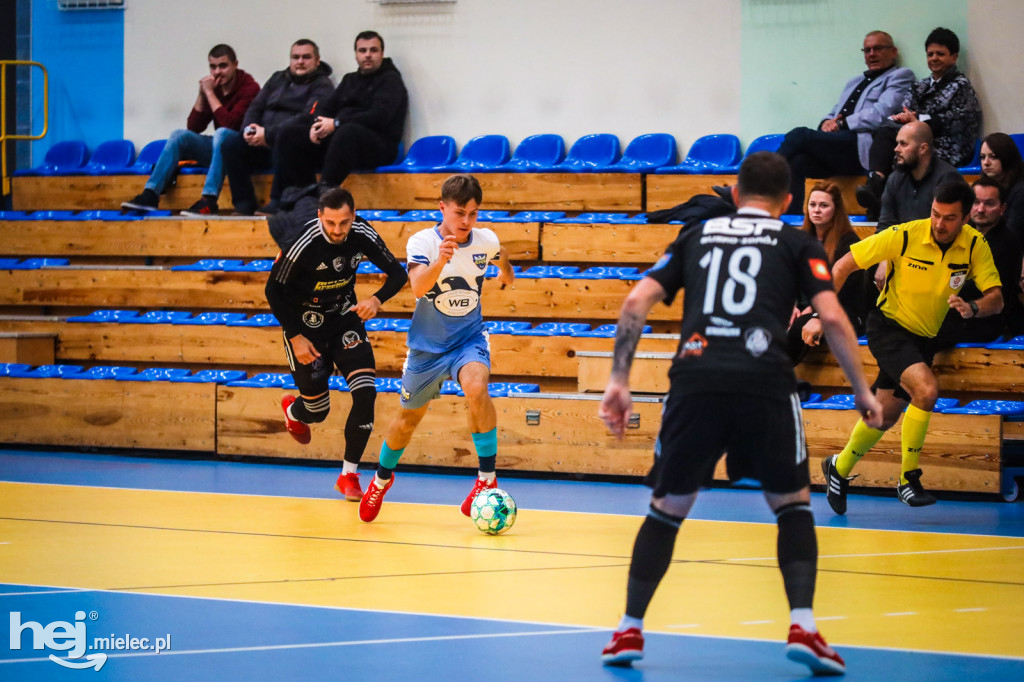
x,y
296,429
626,646
348,485
813,651
480,486
369,507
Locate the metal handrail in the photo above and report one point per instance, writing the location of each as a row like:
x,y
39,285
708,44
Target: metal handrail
x,y
4,63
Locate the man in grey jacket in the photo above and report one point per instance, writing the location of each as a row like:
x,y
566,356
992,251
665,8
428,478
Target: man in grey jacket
x,y
284,99
840,144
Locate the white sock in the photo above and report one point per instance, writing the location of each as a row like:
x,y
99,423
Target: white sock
x,y
628,622
804,618
487,476
348,467
379,482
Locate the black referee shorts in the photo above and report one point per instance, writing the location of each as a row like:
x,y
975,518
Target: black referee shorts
x,y
764,439
895,349
348,350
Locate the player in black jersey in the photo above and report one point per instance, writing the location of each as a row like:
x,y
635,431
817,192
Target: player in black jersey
x,y
732,390
311,291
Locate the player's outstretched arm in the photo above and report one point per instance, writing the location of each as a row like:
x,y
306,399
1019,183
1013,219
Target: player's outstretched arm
x,y
842,341
990,303
505,273
843,268
422,278
616,405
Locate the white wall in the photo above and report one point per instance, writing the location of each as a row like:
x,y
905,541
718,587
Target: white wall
x,y
573,67
515,67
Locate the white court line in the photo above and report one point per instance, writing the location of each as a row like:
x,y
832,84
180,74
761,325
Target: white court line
x,y
857,556
316,645
830,618
974,610
40,592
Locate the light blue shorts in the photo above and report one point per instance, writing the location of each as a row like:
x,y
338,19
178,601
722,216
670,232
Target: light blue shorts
x,y
423,372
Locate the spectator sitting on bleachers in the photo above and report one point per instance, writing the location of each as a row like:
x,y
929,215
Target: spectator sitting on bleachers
x,y
945,101
1001,161
826,219
224,96
285,97
988,217
840,144
358,127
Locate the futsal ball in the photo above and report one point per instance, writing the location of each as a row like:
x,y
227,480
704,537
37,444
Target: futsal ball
x,y
493,511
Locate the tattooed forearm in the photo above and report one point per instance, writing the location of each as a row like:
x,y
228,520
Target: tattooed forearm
x,y
627,335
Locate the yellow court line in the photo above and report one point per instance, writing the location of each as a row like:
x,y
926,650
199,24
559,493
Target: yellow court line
x,y
960,592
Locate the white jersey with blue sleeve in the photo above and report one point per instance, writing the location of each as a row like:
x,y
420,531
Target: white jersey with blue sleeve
x,y
449,314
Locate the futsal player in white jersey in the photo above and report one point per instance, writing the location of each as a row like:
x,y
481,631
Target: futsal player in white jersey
x,y
447,337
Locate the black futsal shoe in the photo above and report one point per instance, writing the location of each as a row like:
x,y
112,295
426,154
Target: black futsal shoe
x,y
836,486
912,492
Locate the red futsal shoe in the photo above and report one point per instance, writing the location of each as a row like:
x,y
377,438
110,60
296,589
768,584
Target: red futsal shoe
x,y
626,646
373,498
296,429
480,486
813,651
348,486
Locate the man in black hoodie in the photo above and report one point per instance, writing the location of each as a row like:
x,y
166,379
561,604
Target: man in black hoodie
x,y
285,99
358,127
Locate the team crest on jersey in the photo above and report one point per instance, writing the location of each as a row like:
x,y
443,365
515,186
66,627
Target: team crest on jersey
x,y
757,341
694,346
322,266
356,259
350,340
957,279
480,260
338,263
312,319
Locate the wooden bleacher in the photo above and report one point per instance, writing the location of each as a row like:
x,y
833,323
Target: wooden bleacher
x,y
962,452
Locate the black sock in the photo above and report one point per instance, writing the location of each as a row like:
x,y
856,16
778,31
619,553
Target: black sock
x,y
798,553
359,424
652,554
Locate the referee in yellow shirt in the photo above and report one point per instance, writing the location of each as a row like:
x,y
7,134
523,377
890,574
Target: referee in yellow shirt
x,y
928,263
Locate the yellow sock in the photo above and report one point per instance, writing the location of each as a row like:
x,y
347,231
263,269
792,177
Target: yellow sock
x,y
915,427
862,439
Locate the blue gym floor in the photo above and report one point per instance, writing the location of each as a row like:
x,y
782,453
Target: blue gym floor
x,y
230,638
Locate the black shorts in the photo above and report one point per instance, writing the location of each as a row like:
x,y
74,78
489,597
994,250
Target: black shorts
x,y
895,349
764,439
348,350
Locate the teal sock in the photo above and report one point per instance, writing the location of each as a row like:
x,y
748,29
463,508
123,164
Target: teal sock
x,y
486,445
388,460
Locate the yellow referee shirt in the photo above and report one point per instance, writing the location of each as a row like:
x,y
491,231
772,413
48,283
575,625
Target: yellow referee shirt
x,y
921,278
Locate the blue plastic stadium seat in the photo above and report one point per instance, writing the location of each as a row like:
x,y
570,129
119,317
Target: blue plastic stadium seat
x,y
259,320
536,153
584,218
493,271
161,317
646,154
101,373
156,374
421,215
37,263
973,166
14,215
481,154
515,387
811,399
426,154
490,216
147,158
602,272
388,385
607,331
105,316
765,143
213,376
538,271
48,372
7,368
554,329
101,214
531,217
505,326
210,319
368,268
944,404
1016,343
8,263
399,325
266,380
259,265
60,159
588,154
1002,407
836,402
376,214
53,215
638,219
709,154
450,387
210,265
113,157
